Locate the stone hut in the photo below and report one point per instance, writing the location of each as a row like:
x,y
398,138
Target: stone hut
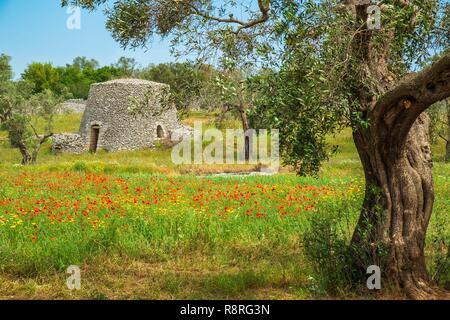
x,y
124,114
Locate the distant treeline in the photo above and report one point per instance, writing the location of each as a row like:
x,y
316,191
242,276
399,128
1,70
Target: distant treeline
x,y
191,85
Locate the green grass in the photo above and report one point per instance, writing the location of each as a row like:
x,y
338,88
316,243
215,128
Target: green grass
x,y
235,223
204,237
148,160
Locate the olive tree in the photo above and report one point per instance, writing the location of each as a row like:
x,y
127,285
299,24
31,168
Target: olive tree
x,y
235,93
189,83
336,69
440,125
21,124
20,110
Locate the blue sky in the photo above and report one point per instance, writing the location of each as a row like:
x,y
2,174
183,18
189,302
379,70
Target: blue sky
x,y
35,30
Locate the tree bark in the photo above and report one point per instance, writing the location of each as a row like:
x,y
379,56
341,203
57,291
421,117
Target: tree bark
x,y
397,208
35,152
26,157
447,145
396,155
245,127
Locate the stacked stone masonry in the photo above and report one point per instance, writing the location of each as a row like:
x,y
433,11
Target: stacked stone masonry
x,y
71,106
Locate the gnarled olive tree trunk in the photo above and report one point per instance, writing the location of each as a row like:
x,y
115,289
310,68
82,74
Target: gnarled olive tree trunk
x,y
396,156
398,205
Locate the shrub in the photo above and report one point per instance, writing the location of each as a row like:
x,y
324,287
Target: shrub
x,y
326,247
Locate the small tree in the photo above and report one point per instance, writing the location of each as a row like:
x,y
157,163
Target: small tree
x,y
235,94
20,110
126,66
6,87
5,68
440,125
24,114
83,63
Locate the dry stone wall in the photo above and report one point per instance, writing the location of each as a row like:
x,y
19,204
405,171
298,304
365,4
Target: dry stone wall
x,y
71,106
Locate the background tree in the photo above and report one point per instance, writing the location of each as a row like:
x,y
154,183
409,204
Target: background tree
x,y
367,71
78,76
440,125
126,66
83,63
22,124
5,68
43,76
190,84
235,93
6,75
21,109
74,80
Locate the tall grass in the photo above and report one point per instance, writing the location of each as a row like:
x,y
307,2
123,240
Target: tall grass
x,y
270,246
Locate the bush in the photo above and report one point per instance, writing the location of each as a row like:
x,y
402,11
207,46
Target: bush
x,y
326,247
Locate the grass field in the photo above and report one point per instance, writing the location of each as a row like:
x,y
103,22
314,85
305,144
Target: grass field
x,y
141,228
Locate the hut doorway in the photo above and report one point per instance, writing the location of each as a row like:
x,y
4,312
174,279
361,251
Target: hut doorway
x,y
159,132
95,132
